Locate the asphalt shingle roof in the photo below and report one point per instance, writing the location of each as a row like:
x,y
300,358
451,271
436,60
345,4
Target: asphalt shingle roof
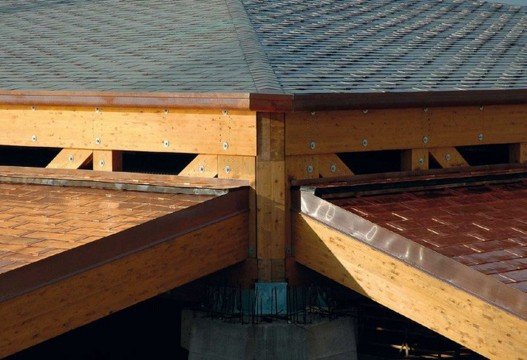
x,y
282,46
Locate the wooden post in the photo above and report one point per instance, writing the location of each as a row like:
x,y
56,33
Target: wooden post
x,y
518,153
271,197
107,160
414,159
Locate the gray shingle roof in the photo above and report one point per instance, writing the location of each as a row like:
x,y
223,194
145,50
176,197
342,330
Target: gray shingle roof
x,y
282,46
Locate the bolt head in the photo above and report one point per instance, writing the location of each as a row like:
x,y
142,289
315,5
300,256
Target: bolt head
x,y
101,163
365,142
421,161
480,137
309,169
165,111
425,139
313,113
448,157
481,108
166,143
227,169
333,168
97,110
425,109
225,145
365,111
201,168
71,158
34,138
98,141
312,145
225,112
33,108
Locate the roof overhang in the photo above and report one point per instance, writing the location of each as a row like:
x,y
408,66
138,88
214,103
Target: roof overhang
x,y
267,102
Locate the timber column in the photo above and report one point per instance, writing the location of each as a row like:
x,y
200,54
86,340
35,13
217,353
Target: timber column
x,y
271,197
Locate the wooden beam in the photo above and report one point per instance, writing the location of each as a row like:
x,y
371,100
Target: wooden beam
x,y
407,128
414,159
77,300
518,153
202,166
70,159
330,165
448,157
133,129
450,311
107,160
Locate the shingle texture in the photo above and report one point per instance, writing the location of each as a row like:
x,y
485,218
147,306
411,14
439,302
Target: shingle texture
x,y
289,46
484,227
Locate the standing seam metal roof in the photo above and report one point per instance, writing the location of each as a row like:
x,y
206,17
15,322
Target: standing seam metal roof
x,y
262,46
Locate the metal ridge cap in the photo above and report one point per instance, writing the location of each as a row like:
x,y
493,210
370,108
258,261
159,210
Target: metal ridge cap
x,y
433,263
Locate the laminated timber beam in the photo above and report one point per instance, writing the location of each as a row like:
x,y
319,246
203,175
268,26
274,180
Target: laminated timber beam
x,y
71,159
448,157
130,129
105,273
460,303
328,132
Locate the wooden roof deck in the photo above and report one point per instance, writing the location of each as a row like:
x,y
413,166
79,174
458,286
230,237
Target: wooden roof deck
x,y
77,249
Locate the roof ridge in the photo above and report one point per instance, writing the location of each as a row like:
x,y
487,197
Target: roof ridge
x,y
263,75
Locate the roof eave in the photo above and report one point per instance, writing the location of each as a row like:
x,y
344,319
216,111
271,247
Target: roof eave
x,y
267,102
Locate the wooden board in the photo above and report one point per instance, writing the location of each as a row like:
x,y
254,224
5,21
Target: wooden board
x,y
448,157
202,166
458,315
518,153
414,159
408,128
159,130
70,159
77,300
107,160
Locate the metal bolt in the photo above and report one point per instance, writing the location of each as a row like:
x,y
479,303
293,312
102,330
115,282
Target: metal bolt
x,y
333,168
33,108
252,251
97,110
425,109
34,138
481,108
201,168
365,111
364,142
227,169
71,158
309,169
448,157
225,112
225,145
98,141
421,161
312,145
425,139
480,137
166,143
101,163
165,111
313,113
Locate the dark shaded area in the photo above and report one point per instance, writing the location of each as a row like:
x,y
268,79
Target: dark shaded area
x,y
155,163
148,330
372,162
485,154
26,156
